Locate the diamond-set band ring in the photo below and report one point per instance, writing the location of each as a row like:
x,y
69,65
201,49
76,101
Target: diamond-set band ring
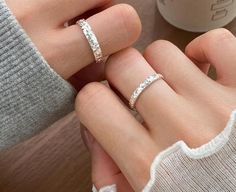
x,y
144,85
92,40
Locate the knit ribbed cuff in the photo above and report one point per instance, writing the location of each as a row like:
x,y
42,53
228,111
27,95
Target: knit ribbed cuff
x,y
32,95
211,167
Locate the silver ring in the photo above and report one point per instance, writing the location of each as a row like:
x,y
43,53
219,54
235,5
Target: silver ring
x,y
144,85
92,40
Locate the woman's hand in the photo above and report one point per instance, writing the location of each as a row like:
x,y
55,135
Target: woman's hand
x,y
65,48
187,105
104,170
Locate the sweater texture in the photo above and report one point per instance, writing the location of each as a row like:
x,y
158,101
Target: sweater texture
x,y
32,95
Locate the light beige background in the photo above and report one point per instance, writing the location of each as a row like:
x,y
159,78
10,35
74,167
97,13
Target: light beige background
x,y
56,160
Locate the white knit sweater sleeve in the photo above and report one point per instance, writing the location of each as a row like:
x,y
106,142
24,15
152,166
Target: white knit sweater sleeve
x,y
209,168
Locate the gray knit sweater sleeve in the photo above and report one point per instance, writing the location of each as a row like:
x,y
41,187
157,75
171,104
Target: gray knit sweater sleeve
x,y
32,95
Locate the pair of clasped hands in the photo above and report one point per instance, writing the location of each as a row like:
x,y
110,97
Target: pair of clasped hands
x,y
186,105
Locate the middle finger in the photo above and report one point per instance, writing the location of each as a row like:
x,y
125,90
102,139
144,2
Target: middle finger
x,y
117,131
125,71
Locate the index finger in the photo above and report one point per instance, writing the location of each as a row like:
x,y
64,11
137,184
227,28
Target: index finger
x,y
119,133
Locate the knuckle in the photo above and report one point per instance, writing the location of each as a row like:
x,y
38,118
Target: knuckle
x,y
88,97
216,36
129,21
119,62
159,46
161,52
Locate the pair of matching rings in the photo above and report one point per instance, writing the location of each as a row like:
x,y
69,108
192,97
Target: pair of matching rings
x,y
98,56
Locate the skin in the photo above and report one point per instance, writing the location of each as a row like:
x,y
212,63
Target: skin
x,y
65,48
187,105
191,98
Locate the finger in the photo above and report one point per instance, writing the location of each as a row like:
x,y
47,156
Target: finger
x,y
55,12
125,71
116,28
179,71
122,137
91,13
217,47
103,166
105,172
64,10
196,90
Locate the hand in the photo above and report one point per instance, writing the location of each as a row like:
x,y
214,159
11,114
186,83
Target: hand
x,y
187,105
66,49
104,170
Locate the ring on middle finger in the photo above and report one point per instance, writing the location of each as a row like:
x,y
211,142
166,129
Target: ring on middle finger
x,y
144,85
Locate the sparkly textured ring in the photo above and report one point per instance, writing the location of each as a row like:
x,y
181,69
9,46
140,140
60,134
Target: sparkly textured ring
x,y
145,84
92,40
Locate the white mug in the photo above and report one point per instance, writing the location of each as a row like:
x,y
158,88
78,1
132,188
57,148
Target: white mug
x,y
198,15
